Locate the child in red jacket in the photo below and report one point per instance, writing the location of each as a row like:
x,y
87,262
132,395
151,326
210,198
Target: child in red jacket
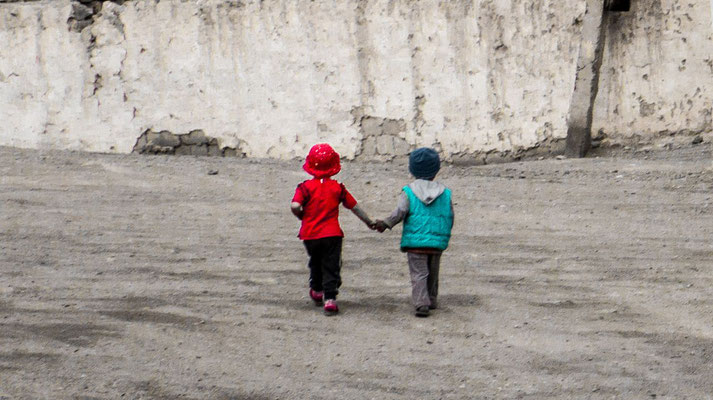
x,y
316,204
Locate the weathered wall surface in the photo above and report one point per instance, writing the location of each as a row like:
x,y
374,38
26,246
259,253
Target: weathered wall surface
x,y
657,76
374,78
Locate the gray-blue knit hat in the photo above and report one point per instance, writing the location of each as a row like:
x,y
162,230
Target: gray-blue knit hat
x,y
423,163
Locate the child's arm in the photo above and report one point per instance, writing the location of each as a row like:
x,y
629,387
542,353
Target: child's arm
x,y
350,203
396,216
301,197
297,209
453,215
362,215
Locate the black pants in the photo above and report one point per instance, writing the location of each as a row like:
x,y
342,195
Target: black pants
x,y
325,264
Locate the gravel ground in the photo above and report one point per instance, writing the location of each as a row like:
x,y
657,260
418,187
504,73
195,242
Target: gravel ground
x,y
159,277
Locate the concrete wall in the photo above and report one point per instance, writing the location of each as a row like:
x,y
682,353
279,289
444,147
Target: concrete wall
x,y
374,78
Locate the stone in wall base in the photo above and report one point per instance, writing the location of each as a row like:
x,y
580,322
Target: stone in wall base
x,y
546,149
194,143
664,140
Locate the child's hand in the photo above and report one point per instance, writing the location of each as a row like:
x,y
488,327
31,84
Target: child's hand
x,y
297,210
380,226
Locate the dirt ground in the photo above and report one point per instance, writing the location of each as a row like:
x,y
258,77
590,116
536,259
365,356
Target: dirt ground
x,y
125,276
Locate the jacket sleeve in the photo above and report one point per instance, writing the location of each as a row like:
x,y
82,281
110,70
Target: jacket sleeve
x,y
453,214
346,198
301,194
400,212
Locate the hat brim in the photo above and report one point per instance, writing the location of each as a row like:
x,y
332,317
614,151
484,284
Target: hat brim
x,y
317,173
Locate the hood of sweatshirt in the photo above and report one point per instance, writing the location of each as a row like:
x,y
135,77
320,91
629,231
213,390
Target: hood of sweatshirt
x,y
426,191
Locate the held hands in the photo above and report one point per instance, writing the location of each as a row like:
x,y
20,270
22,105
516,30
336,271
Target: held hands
x,y
379,225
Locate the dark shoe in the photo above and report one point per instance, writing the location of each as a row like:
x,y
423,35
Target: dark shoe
x,y
433,305
317,297
422,311
330,307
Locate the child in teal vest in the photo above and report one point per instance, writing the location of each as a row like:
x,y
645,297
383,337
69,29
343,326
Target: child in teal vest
x,y
426,209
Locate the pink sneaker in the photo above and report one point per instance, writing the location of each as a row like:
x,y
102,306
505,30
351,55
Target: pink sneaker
x,y
317,297
330,307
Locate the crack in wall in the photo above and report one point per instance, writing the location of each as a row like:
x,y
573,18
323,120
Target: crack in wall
x,y
419,99
194,143
364,52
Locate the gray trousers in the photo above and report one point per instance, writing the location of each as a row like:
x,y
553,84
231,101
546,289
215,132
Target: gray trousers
x,y
424,278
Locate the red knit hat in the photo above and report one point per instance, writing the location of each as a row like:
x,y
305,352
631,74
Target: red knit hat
x,y
322,161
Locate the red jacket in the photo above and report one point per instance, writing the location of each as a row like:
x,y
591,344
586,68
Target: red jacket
x,y
320,199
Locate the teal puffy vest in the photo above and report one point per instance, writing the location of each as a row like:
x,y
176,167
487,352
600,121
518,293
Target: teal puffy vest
x,y
427,226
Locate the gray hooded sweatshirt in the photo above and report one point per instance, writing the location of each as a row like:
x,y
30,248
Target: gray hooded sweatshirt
x,y
426,191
